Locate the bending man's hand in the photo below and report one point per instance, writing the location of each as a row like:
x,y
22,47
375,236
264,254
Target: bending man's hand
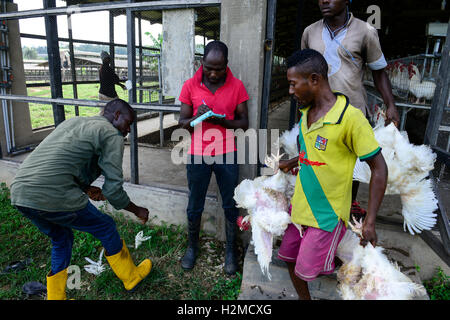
x,y
140,212
95,193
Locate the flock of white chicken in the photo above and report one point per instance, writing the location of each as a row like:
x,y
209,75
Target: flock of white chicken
x,y
406,80
366,272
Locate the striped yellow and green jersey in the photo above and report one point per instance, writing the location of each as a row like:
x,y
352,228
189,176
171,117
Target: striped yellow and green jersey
x,y
323,192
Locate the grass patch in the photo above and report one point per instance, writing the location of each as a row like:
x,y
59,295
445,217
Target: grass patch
x,y
438,287
20,240
42,114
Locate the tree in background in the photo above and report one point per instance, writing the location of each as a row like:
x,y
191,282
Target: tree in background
x,y
30,53
157,44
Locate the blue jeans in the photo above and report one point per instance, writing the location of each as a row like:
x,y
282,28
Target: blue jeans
x,y
199,175
58,226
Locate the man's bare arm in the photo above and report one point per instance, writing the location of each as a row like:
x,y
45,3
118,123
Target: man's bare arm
x,y
384,87
377,188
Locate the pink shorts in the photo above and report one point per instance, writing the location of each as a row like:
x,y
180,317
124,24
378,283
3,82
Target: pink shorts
x,y
314,253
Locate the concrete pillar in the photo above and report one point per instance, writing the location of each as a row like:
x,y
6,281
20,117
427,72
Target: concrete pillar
x,y
23,133
242,29
178,49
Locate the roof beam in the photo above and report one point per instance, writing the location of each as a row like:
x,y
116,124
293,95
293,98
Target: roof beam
x,y
118,5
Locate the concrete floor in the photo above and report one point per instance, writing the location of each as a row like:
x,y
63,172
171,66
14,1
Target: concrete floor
x,y
157,169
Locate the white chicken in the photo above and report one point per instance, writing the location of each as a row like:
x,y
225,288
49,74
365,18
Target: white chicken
x,y
408,167
266,199
288,141
422,90
399,78
367,273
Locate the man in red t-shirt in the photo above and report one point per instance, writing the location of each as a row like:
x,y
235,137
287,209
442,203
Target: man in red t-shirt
x,y
213,149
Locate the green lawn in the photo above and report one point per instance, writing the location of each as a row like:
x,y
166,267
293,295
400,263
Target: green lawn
x,y
42,115
20,240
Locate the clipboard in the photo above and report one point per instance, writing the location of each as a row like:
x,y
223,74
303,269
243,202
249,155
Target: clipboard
x,y
204,116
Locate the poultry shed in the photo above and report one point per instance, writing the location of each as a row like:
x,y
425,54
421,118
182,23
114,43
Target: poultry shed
x,y
412,79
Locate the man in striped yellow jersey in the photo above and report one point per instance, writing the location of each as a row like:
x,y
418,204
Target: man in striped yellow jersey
x,y
332,135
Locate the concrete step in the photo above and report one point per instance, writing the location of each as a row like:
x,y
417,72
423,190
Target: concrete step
x,y
150,126
256,286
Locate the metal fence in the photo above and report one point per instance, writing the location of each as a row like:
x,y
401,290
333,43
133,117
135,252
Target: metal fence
x,y
82,67
413,78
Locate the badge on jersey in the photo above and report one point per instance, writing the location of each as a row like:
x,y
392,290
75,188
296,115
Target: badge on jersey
x,y
321,143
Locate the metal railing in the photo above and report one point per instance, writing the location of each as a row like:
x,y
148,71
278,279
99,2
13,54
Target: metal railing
x,y
405,108
90,103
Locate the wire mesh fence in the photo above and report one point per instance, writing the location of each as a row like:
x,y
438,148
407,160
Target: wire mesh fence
x,y
412,78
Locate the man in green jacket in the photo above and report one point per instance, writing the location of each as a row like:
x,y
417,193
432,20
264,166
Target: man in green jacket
x,y
53,186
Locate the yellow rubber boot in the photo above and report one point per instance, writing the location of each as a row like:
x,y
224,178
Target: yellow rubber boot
x,y
123,266
56,286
